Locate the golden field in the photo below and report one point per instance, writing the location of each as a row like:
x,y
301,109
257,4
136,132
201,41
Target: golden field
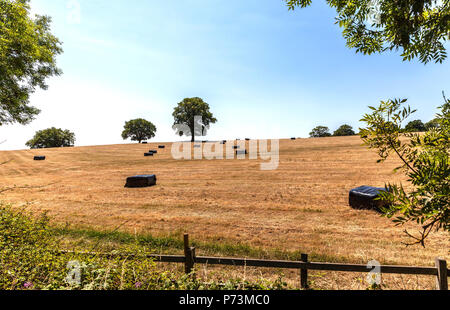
x,y
301,206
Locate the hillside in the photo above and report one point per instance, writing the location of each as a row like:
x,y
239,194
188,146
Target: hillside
x,y
301,206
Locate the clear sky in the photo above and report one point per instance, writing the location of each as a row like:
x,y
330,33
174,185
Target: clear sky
x,y
265,71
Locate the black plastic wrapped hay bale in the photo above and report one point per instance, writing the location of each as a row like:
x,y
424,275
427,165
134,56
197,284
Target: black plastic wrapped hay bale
x,y
141,181
293,139
364,197
144,142
247,139
148,154
161,146
39,157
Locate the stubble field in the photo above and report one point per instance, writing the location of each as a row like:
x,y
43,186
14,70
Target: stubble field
x,y
301,206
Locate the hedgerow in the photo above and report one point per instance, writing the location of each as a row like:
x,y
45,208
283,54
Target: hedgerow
x,y
31,258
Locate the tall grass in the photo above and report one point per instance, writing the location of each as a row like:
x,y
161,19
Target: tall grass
x,y
30,258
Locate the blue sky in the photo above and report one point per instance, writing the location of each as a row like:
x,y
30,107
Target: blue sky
x,y
265,71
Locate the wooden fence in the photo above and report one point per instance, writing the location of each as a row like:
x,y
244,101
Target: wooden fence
x,y
189,259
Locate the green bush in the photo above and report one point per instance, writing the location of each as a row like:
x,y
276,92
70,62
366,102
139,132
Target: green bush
x,y
30,258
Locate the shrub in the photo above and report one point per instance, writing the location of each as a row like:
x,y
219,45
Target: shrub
x,y
424,160
30,258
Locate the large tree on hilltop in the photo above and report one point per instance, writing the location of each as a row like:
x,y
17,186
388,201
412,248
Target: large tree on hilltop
x,y
193,113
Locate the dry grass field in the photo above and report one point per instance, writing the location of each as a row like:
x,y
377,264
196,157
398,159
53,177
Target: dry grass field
x,y
301,206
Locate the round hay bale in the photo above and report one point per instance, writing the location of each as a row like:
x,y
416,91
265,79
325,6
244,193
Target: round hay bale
x,y
293,139
39,157
161,146
365,198
148,154
141,181
145,142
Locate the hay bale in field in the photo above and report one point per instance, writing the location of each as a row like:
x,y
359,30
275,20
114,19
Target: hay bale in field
x,y
293,138
247,139
364,197
241,152
161,146
141,181
39,157
144,142
148,154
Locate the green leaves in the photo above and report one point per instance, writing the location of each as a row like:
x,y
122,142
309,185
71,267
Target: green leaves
x,y
139,130
425,161
344,130
320,132
51,137
419,28
28,53
186,111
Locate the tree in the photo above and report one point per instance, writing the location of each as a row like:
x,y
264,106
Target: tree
x,y
344,130
138,130
52,137
418,27
425,160
434,123
193,113
27,58
319,132
415,126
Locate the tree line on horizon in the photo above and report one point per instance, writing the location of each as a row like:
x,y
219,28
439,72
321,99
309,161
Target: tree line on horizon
x,y
136,129
347,130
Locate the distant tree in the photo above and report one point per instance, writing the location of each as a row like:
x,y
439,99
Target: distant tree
x,y
138,130
52,137
433,124
415,126
319,132
419,27
185,113
28,53
344,130
425,161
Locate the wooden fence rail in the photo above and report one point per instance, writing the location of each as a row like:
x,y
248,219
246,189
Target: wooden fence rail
x,y
190,259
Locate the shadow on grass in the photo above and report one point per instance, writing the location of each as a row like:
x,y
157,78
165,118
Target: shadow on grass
x,y
173,244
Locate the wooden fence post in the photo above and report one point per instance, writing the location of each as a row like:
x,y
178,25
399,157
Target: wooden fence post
x,y
441,280
189,254
304,273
